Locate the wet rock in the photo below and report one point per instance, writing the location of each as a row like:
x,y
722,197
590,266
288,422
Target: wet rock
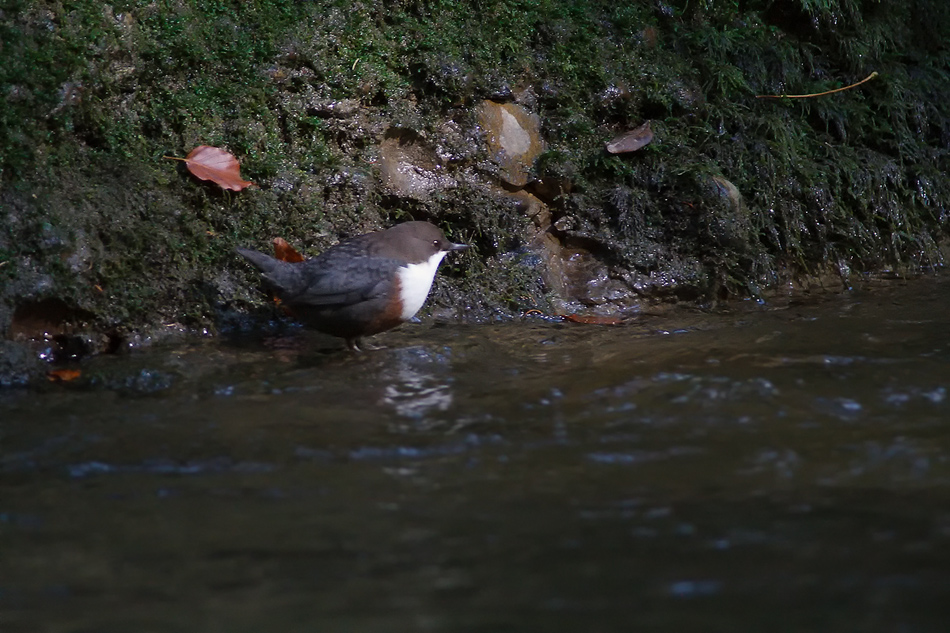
x,y
536,212
44,318
574,277
675,278
526,97
550,188
444,74
410,169
578,279
565,223
613,94
514,139
728,218
455,145
335,109
729,191
19,364
501,91
689,97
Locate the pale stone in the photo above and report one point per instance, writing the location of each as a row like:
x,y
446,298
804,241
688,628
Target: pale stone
x,y
514,138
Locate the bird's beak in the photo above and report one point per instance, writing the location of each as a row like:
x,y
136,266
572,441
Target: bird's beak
x,y
458,247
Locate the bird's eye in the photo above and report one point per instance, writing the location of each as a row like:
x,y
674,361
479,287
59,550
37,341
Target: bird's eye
x,y
435,243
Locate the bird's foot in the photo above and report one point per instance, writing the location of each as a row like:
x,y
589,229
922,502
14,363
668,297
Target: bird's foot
x,y
357,345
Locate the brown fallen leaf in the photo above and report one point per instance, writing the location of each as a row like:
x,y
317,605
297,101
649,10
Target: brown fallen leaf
x,y
63,375
631,141
215,164
285,252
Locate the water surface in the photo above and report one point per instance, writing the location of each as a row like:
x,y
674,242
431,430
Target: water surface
x,y
783,467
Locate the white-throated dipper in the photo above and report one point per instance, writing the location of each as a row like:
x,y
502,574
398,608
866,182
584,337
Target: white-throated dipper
x,y
362,286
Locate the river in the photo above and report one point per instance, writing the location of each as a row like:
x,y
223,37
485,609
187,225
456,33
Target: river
x,y
767,467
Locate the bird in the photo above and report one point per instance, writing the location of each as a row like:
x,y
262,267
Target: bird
x,y
363,286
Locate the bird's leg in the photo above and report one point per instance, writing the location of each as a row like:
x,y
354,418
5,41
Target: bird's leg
x,y
356,344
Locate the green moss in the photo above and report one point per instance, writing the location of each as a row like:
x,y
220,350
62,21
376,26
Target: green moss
x,y
94,95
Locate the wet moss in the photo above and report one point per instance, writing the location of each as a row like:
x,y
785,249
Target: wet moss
x,y
95,95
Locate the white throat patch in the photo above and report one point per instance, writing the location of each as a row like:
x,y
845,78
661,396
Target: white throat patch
x,y
415,281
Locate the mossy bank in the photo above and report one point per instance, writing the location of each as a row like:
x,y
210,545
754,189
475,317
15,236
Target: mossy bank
x,y
326,103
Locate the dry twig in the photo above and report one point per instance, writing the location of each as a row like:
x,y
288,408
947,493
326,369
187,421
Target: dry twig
x,y
818,94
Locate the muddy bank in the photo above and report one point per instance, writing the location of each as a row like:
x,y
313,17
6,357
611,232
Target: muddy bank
x,y
491,119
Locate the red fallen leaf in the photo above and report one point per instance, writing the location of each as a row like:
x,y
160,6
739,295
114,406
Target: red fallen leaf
x,y
63,375
215,164
285,252
592,319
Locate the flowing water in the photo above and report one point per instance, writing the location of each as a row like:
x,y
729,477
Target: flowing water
x,y
783,467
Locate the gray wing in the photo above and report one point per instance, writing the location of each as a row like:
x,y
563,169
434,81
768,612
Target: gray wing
x,y
346,283
333,278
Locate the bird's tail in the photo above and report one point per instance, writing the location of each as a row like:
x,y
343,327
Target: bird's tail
x,y
264,263
282,276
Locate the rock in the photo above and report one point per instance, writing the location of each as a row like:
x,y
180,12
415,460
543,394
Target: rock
x,y
730,192
550,188
335,109
531,208
19,364
45,318
578,279
408,168
728,219
514,138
